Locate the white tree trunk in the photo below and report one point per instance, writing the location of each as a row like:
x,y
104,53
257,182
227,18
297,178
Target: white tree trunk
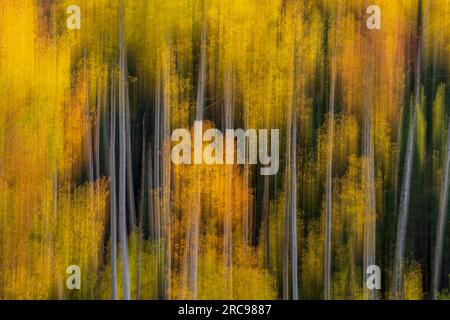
x,y
440,227
329,180
293,197
228,231
113,193
369,188
397,277
122,161
166,177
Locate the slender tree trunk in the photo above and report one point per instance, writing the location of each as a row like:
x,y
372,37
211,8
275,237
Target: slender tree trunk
x,y
97,131
156,176
105,121
151,213
294,204
88,121
397,163
397,277
166,172
202,68
440,227
369,190
246,198
228,231
265,213
157,158
122,161
141,210
58,287
294,266
246,179
287,206
329,176
152,221
195,211
196,193
184,286
130,185
113,193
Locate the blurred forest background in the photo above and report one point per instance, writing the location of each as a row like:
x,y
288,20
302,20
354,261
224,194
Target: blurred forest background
x,y
86,176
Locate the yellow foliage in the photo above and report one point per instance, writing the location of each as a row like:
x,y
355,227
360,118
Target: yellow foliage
x,y
413,282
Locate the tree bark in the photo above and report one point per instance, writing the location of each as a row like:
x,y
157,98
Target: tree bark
x,y
97,132
228,231
369,195
294,266
166,172
113,193
287,206
157,157
202,68
441,222
130,185
88,121
329,176
122,160
397,277
141,210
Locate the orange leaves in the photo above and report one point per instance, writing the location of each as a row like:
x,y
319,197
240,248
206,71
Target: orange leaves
x,y
218,184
